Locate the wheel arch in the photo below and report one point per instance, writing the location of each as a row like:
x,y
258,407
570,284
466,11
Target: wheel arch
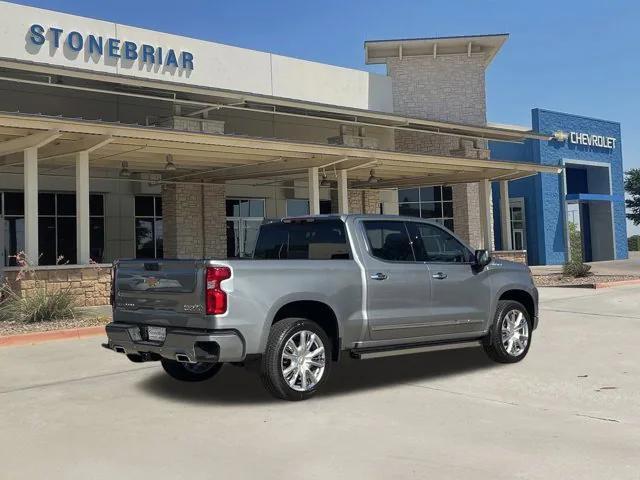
x,y
318,311
523,297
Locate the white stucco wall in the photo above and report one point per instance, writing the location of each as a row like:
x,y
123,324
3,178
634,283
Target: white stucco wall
x,y
215,65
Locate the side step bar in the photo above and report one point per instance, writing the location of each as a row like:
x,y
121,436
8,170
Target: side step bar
x,y
407,349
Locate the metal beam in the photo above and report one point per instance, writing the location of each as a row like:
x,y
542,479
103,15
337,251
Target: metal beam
x,y
86,144
35,140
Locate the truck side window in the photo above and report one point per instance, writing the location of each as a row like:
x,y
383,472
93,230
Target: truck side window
x,y
389,240
317,240
433,244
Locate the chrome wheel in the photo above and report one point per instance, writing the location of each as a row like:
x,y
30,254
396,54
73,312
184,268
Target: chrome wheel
x,y
515,332
303,360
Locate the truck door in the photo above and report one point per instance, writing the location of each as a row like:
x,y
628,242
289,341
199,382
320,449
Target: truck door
x,y
398,292
460,294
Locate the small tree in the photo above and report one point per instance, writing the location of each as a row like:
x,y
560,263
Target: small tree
x,y
575,243
634,243
632,187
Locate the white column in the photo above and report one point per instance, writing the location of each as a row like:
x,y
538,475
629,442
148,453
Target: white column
x,y
31,248
314,191
82,207
505,215
485,214
343,195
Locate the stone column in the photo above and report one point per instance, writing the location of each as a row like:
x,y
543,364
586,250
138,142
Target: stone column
x,y
364,201
194,221
448,88
31,248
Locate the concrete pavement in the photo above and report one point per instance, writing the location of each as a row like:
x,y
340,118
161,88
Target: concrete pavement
x,y
571,410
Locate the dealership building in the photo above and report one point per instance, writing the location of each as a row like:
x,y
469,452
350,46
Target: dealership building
x,y
120,142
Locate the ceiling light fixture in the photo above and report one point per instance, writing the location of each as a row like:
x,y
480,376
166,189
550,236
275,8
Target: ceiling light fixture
x,y
170,166
125,172
372,177
325,182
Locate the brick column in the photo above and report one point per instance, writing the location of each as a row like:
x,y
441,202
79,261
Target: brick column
x,y
364,201
448,88
194,221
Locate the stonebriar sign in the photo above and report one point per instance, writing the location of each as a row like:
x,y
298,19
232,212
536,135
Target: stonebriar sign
x,y
97,45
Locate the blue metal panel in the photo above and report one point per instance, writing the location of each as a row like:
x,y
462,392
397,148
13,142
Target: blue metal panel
x,y
543,194
593,197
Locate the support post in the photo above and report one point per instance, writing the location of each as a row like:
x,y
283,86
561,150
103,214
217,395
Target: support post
x,y
82,208
31,248
314,191
505,215
343,192
485,214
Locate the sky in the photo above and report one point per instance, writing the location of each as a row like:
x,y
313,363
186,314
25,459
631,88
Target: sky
x,y
573,56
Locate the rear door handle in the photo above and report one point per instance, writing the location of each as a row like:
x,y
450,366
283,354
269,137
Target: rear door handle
x,y
439,276
378,276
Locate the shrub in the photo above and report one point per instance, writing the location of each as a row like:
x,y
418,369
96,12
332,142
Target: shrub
x,y
37,306
576,269
634,243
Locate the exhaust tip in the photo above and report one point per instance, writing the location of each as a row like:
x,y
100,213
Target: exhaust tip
x,y
182,358
119,349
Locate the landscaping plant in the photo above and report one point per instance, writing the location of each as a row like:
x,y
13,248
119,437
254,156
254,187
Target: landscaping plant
x,y
576,269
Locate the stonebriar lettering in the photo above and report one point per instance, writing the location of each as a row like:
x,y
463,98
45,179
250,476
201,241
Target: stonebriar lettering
x,y
111,47
592,140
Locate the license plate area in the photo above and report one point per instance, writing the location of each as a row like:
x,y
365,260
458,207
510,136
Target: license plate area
x,y
154,334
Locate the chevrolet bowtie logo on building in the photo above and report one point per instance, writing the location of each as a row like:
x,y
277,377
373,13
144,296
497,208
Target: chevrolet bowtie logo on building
x,y
586,139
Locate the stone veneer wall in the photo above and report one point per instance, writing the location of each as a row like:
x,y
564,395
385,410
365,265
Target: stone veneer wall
x,y
90,284
364,201
194,221
519,256
448,88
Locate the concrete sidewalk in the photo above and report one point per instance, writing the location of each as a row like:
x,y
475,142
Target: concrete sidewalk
x,y
571,409
630,266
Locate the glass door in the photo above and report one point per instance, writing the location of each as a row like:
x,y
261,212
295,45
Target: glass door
x,y
518,227
244,217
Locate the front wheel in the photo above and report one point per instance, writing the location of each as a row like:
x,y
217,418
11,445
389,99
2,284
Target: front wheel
x,y
297,359
190,372
510,336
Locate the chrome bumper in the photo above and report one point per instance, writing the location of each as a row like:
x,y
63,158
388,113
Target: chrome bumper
x,y
194,345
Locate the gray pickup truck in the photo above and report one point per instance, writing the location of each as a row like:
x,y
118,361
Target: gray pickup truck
x,y
316,287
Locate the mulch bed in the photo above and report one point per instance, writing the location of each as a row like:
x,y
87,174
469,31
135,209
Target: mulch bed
x,y
17,328
557,280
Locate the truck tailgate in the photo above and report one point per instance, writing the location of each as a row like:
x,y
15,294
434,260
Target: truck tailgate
x,y
160,292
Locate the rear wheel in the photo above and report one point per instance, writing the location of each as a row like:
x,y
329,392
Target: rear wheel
x,y
297,359
190,372
510,336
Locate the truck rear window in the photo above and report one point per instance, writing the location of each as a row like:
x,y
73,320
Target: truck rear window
x,y
317,240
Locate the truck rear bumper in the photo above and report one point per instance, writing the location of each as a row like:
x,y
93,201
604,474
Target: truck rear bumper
x,y
179,344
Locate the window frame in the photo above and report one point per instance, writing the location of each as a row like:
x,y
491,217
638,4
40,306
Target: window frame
x,y
154,218
443,229
318,221
419,202
369,248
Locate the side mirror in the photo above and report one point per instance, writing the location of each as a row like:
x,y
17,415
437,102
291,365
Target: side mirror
x,y
482,259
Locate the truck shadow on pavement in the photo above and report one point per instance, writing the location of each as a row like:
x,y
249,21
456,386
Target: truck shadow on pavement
x,y
241,386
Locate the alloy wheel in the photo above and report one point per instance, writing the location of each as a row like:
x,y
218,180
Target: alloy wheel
x,y
515,332
303,360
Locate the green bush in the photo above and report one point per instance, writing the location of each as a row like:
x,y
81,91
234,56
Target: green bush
x,y
38,306
634,243
576,269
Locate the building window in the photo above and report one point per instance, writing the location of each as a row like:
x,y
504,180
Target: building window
x,y
435,203
297,207
56,227
244,217
518,227
148,221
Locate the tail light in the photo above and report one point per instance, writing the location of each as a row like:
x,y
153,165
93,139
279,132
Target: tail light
x,y
216,298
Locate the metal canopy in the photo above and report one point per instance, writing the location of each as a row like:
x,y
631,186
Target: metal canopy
x,y
220,158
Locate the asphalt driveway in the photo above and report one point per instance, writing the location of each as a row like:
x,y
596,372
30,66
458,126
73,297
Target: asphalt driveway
x,y
70,409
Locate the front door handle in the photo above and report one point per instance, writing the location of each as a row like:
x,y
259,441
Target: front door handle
x,y
439,276
378,276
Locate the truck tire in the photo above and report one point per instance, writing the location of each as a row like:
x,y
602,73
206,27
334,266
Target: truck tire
x,y
190,372
509,337
297,359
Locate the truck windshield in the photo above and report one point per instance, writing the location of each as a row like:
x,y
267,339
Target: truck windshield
x,y
316,240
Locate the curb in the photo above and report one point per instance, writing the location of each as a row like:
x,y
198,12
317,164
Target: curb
x,y
619,283
50,335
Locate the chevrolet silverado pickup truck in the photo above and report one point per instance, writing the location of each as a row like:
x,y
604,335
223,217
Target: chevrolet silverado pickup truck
x,y
316,288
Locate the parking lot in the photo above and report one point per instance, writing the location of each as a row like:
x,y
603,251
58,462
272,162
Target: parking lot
x,y
571,409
